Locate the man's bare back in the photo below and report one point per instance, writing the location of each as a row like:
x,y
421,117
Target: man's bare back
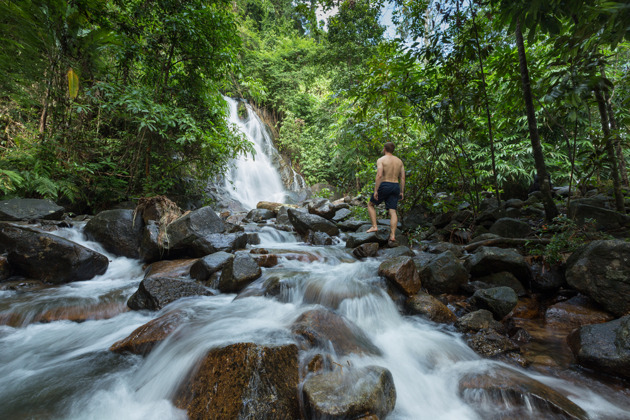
x,y
392,167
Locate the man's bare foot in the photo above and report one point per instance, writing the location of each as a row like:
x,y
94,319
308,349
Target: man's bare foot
x,y
392,243
372,229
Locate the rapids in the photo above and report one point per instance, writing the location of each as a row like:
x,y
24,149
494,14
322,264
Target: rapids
x,y
63,369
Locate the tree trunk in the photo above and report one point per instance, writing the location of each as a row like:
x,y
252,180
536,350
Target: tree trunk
x,y
610,151
623,171
551,210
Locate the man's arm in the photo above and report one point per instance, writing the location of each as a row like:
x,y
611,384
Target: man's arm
x,y
402,180
379,177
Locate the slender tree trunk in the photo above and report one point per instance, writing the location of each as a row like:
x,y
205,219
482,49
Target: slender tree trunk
x,y
610,151
623,171
489,119
551,210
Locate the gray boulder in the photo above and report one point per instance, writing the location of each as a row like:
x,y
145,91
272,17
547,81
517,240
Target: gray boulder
x,y
504,279
603,347
399,251
322,208
601,270
604,219
352,225
196,224
303,222
23,209
43,256
510,228
150,246
444,274
154,293
341,215
319,238
498,300
547,279
260,215
350,393
487,260
210,264
283,216
242,270
353,240
215,242
478,320
365,250
117,231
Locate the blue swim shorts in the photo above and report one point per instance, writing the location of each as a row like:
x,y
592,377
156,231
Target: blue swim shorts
x,y
388,192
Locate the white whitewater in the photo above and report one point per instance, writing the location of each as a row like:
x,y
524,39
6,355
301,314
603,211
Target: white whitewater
x,y
253,178
63,369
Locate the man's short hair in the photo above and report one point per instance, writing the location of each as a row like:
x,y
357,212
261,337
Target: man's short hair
x,y
389,147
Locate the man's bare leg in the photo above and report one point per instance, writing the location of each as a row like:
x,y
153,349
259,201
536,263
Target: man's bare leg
x,y
372,213
393,223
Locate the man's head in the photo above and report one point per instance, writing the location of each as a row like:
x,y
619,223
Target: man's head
x,y
389,147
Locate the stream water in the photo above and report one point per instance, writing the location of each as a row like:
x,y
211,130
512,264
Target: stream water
x,y
63,369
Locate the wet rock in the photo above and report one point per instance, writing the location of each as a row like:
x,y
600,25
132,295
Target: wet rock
x,y
518,395
303,222
547,279
117,231
442,219
242,270
319,238
489,343
253,238
444,274
324,328
144,338
478,320
215,242
260,215
282,219
603,347
322,208
269,205
353,240
341,215
350,393
156,292
399,251
151,248
23,209
442,247
366,250
510,228
601,270
352,225
244,381
196,224
429,307
203,268
266,260
169,268
487,260
575,312
5,268
53,259
401,271
421,259
498,300
506,279
604,219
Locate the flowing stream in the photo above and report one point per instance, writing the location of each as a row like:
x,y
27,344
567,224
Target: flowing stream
x,y
63,369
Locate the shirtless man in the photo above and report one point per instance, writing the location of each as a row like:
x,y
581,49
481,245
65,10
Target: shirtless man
x,y
389,169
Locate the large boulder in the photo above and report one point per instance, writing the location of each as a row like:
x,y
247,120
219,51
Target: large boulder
x,y
169,268
351,225
238,273
144,338
401,271
319,238
353,240
604,219
341,215
156,292
478,320
603,347
23,209
322,328
518,395
194,225
487,260
398,251
365,250
151,246
215,242
323,208
350,393
117,231
53,259
203,268
503,279
444,274
269,205
303,222
429,307
601,270
498,300
260,215
244,381
510,228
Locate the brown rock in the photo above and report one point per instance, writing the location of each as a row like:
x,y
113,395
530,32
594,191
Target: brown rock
x,y
402,272
244,380
266,260
268,205
430,307
321,327
169,268
576,312
143,339
366,250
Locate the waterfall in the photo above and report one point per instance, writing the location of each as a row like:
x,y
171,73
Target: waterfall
x,y
255,178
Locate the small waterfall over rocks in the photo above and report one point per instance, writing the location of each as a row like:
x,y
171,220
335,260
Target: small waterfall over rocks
x,y
266,176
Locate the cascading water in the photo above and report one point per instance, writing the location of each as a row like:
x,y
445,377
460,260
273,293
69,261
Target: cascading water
x,y
255,178
63,369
